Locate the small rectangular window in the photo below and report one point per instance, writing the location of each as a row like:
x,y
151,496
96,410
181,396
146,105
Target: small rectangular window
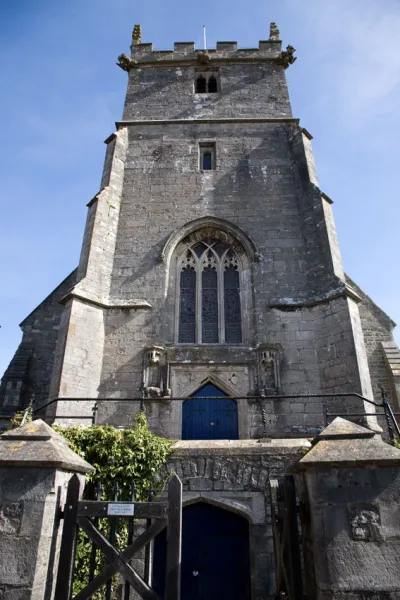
x,y
207,157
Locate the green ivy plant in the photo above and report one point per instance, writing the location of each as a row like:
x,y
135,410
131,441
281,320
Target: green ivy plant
x,y
125,457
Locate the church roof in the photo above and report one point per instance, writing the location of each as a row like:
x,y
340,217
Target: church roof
x,y
72,275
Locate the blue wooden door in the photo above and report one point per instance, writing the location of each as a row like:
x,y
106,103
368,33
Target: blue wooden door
x,y
215,555
212,419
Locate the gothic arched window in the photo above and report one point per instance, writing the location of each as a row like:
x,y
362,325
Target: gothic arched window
x,y
209,294
201,85
212,85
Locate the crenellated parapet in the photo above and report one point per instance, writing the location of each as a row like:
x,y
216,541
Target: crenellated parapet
x,y
143,54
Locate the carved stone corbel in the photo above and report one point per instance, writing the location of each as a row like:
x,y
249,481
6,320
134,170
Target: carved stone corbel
x,y
155,373
287,56
203,58
126,63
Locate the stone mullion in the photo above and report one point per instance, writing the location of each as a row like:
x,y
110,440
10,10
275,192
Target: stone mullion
x,y
178,270
244,301
221,304
222,296
199,304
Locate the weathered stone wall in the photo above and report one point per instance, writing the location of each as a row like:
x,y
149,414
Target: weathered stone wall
x,y
30,532
79,355
29,372
252,188
37,469
161,86
356,533
172,97
98,246
261,185
81,338
377,328
164,186
254,172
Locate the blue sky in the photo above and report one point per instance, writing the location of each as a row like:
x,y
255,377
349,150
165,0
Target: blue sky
x,y
61,93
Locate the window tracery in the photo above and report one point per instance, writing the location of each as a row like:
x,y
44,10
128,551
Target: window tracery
x,y
209,293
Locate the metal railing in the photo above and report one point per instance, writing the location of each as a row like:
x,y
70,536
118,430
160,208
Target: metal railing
x,y
387,413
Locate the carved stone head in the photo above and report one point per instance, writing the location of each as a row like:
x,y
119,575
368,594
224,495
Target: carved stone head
x,y
203,58
153,357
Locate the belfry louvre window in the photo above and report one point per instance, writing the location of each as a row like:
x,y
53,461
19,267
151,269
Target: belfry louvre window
x,y
209,294
212,87
206,83
201,85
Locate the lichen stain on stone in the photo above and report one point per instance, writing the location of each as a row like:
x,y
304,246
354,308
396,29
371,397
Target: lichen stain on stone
x,y
31,428
323,445
15,446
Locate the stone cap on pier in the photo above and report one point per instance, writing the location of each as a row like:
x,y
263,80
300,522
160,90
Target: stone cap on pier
x,y
38,445
344,444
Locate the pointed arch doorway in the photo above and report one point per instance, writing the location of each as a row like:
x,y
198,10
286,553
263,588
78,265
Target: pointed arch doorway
x,y
214,418
215,555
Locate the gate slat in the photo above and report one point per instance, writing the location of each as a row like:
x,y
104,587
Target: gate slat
x,y
115,559
293,542
126,555
143,510
68,540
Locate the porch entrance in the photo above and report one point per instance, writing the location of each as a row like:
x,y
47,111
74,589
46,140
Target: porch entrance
x,y
215,555
214,418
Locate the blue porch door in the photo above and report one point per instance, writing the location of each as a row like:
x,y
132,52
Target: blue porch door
x,y
215,555
212,419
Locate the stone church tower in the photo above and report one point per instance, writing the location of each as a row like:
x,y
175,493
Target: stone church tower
x,y
210,267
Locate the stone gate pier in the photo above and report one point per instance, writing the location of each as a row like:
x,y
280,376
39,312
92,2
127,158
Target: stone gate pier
x,y
349,486
36,466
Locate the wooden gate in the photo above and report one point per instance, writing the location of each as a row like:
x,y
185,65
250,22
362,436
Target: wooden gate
x,y
83,515
286,539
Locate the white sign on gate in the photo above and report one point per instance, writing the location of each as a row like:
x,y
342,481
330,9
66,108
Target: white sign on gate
x,y
119,509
